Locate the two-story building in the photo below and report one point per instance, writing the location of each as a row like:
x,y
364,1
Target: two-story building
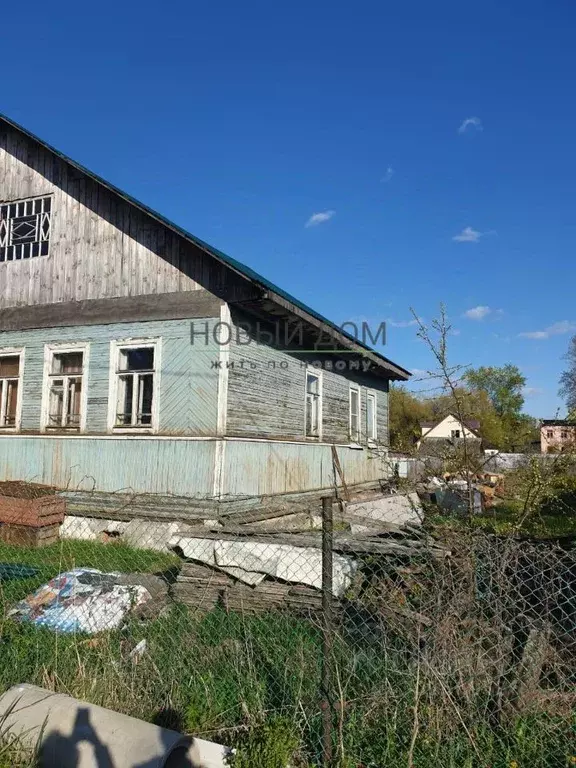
x,y
134,357
557,435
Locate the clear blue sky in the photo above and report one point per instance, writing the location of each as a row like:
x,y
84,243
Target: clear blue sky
x,y
404,124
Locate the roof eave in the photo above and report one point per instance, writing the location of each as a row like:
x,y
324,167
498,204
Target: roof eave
x,y
394,372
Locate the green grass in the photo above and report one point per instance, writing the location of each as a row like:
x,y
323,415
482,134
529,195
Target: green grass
x,y
504,520
239,679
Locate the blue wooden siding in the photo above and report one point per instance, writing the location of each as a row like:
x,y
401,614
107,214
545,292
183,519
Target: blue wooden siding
x,y
138,464
180,466
262,468
188,383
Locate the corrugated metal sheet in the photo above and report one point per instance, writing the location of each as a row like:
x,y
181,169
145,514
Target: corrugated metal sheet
x,y
143,465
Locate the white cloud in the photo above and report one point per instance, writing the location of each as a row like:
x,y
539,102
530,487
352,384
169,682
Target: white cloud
x,y
478,313
532,391
468,235
401,323
388,175
319,218
471,123
556,329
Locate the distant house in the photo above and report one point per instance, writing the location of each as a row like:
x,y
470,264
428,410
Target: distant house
x,y
557,435
449,428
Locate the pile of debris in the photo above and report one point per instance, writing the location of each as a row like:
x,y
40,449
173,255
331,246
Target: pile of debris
x,y
254,567
454,494
88,600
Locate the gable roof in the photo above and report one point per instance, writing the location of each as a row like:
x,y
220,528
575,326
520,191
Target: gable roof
x,y
473,425
273,292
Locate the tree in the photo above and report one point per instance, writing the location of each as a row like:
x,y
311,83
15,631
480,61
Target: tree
x,y
406,412
502,385
568,379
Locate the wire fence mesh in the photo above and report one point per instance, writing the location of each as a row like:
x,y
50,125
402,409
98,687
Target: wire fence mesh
x,y
419,644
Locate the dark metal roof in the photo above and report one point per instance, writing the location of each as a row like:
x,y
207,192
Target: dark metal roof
x,y
396,370
558,423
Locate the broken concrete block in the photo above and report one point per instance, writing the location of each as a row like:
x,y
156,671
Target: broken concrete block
x,y
301,565
398,508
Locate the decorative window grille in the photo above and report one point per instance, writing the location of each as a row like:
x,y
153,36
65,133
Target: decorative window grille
x,y
25,228
9,385
313,405
136,383
65,390
354,414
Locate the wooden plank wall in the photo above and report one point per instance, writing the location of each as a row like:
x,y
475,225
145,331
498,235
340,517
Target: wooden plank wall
x,y
188,382
100,245
266,389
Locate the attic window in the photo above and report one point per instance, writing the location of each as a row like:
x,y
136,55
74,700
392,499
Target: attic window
x,y
25,228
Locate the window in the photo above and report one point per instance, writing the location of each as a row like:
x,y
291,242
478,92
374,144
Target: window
x,y
10,372
354,414
313,404
564,435
135,396
371,433
25,228
549,434
455,434
65,407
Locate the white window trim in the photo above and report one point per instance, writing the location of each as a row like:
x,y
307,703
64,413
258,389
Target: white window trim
x,y
315,372
10,352
374,439
57,349
354,439
115,347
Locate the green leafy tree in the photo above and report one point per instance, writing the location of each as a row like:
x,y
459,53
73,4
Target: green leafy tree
x,y
568,379
406,411
503,385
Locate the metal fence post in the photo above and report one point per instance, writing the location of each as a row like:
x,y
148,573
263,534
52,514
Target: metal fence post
x,y
327,629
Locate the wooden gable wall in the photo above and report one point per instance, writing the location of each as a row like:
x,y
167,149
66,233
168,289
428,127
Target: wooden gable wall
x,y
101,246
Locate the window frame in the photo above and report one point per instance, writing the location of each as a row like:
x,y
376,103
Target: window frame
x,y
354,438
455,434
317,372
50,350
116,347
372,439
15,252
13,352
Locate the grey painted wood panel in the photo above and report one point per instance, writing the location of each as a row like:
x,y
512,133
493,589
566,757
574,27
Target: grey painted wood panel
x,y
266,393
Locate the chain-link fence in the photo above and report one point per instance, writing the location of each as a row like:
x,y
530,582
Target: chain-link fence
x,y
342,633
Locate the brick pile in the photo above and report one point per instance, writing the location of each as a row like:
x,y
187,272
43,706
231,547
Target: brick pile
x,y
31,522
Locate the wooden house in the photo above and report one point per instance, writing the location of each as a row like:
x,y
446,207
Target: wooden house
x,y
134,357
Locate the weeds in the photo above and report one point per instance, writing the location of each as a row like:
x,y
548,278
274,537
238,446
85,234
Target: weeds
x,y
254,681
